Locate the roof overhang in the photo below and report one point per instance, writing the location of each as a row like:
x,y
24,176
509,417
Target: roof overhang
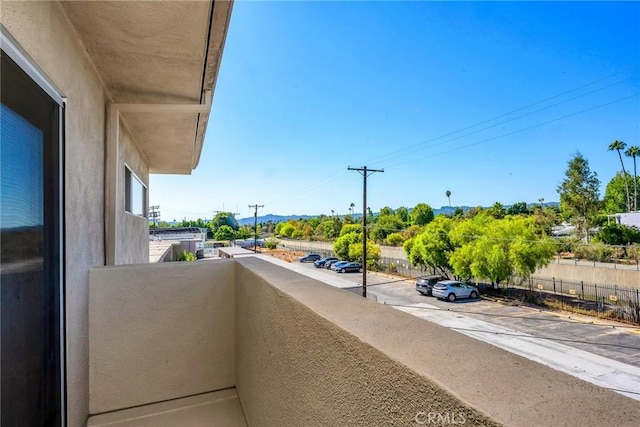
x,y
157,53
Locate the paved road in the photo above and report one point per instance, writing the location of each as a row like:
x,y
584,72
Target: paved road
x,y
602,352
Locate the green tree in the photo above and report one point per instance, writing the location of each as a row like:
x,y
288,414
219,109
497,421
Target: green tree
x,y
329,229
448,194
224,232
413,252
545,219
458,212
287,229
501,248
351,228
519,208
474,211
634,152
244,232
618,234
223,218
373,253
342,244
386,211
421,214
579,193
614,194
433,245
403,214
619,146
395,239
497,211
386,225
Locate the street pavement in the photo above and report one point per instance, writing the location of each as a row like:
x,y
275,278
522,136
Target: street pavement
x,y
602,352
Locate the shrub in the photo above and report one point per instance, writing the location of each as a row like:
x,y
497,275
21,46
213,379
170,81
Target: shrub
x,y
395,239
594,252
186,256
271,243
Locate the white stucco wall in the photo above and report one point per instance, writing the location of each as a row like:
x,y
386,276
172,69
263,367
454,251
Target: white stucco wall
x,y
132,231
44,32
160,331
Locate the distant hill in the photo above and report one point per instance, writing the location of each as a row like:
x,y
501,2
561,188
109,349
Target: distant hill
x,y
272,218
437,211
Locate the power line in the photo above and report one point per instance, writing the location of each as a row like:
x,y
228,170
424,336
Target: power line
x,y
394,154
513,111
255,227
154,214
520,130
423,146
365,172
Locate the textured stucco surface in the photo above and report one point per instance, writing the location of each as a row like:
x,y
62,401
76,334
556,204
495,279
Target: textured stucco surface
x,y
295,367
43,31
159,332
152,52
310,354
132,231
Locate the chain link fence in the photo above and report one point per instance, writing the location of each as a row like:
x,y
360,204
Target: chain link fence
x,y
608,301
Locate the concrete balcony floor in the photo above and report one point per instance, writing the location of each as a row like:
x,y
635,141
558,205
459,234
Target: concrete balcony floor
x,y
216,409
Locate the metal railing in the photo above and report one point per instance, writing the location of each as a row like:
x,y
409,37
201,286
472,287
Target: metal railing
x,y
609,301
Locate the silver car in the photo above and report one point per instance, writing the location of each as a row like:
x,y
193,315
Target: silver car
x,y
451,290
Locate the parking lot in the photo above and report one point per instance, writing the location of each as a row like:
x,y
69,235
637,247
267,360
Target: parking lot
x,y
603,352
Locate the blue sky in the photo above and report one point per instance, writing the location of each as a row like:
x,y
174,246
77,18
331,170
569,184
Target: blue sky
x,y
489,100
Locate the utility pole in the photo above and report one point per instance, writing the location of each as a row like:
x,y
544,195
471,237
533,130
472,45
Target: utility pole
x,y
154,214
364,171
255,227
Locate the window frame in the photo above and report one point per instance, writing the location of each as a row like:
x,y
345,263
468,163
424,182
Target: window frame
x,y
130,178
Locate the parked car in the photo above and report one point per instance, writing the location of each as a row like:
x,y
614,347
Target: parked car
x,y
451,290
321,262
310,258
329,264
349,267
336,265
425,284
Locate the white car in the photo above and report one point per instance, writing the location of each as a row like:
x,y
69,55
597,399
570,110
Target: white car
x,y
451,290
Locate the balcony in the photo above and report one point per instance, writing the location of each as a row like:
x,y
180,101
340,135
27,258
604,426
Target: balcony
x,y
242,342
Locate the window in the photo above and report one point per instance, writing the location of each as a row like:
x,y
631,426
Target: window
x,y
135,194
31,227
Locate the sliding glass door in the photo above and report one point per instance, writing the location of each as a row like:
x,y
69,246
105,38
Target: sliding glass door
x,y
31,255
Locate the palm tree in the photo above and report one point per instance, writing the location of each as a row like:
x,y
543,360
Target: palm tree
x,y
633,152
618,146
448,194
351,206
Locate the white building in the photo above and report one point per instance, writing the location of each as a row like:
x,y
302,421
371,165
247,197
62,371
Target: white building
x,y
630,219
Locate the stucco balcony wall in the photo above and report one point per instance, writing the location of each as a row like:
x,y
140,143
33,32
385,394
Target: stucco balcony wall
x,y
299,352
159,332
